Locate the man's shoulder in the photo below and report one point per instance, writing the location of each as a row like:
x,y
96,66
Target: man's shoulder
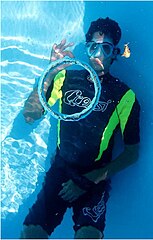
x,y
119,84
119,88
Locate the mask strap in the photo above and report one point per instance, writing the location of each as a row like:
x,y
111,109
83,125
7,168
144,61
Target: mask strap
x,y
116,51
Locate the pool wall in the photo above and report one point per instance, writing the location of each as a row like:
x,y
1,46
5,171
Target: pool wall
x,y
24,41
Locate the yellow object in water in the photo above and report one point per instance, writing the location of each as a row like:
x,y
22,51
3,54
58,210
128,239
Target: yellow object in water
x,y
127,51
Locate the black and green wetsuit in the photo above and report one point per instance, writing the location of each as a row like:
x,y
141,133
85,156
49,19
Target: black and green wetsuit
x,y
82,146
88,143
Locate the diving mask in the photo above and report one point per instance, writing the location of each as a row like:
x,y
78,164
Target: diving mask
x,y
95,49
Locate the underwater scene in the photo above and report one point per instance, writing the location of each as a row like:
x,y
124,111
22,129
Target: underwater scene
x,y
29,29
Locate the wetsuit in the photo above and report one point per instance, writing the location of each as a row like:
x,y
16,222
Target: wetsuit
x,y
84,145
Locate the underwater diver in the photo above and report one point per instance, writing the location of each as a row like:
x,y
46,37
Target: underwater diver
x,y
81,171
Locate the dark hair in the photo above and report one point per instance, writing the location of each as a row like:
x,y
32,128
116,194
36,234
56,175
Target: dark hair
x,y
106,26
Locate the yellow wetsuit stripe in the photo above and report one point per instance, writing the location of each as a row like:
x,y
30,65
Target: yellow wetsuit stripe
x,y
57,94
113,122
120,115
56,91
124,108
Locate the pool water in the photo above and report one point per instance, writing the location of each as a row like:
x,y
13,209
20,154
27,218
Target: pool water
x,y
28,31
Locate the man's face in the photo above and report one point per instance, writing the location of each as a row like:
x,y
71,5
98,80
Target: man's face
x,y
100,61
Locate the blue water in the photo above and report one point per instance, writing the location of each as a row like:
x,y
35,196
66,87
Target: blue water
x,y
28,31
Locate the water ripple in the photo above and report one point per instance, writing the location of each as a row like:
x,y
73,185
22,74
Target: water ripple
x,y
28,31
6,63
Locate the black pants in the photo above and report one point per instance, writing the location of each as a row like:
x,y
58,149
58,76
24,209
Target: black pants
x,y
49,208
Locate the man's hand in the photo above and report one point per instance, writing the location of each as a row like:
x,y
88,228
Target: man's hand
x,y
33,109
97,175
31,116
59,51
70,191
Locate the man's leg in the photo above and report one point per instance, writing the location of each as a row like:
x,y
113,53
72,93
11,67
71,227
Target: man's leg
x,y
48,210
89,213
88,232
33,232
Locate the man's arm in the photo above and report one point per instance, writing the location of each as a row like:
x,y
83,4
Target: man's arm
x,y
131,150
125,159
71,191
33,109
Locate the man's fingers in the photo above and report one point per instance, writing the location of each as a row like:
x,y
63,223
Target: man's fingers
x,y
54,46
73,199
53,50
62,43
62,191
68,53
66,46
61,47
68,196
58,52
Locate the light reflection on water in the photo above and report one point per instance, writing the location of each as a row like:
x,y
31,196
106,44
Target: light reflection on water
x,y
28,31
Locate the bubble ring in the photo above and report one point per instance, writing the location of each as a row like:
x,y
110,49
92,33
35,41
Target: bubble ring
x,y
76,116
